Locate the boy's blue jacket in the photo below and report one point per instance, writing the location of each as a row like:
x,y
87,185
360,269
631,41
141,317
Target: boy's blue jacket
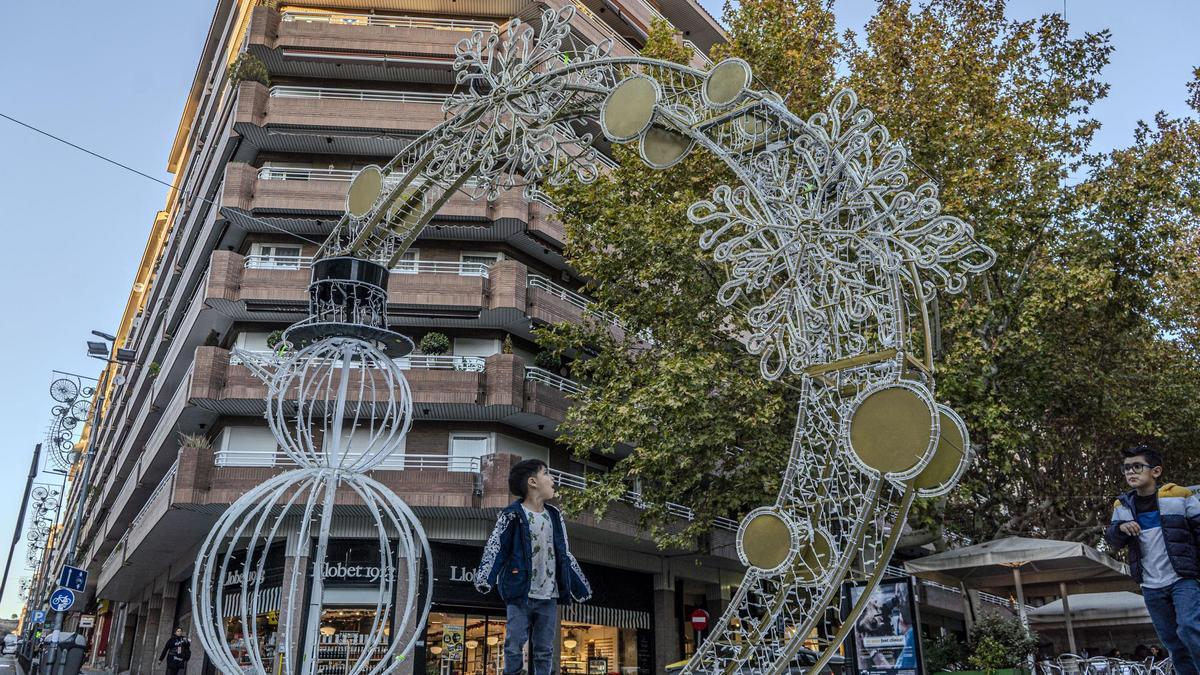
x,y
508,555
1179,512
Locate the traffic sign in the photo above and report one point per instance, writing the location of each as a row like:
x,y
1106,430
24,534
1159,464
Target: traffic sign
x,y
39,616
62,600
87,620
699,619
73,578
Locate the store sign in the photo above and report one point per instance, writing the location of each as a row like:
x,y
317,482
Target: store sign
x,y
339,571
462,575
87,621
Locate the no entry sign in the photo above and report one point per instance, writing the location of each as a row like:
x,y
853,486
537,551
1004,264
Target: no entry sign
x,y
699,619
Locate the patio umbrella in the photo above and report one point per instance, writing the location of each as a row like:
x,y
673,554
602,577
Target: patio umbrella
x,y
1041,567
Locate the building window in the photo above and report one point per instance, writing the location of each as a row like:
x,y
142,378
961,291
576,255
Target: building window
x,y
275,257
246,446
466,450
484,258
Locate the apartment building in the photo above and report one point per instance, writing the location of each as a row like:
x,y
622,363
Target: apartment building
x,y
262,173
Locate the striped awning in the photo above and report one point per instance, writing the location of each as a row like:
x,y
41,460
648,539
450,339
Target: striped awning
x,y
268,601
607,616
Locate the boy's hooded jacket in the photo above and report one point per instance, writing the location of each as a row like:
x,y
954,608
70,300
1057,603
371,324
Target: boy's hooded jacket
x,y
1179,513
508,559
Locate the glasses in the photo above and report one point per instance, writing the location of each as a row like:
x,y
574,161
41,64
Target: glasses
x,y
1135,467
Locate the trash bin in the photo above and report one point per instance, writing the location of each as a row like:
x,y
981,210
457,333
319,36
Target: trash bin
x,y
68,650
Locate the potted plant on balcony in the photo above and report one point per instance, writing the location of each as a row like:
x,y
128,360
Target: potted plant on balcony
x,y
152,369
434,344
276,344
547,360
249,67
194,441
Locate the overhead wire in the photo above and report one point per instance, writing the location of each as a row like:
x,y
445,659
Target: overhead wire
x,y
146,175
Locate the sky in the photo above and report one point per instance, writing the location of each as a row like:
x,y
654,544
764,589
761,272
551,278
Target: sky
x,y
113,76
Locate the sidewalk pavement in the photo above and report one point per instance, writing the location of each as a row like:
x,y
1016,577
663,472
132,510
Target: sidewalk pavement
x,y
10,666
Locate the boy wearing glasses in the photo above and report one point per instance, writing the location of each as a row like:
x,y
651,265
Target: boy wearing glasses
x,y
1159,525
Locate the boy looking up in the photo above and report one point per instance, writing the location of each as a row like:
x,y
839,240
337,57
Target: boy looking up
x,y
528,561
1159,525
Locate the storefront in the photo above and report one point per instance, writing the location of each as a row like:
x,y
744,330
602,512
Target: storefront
x,y
351,578
611,634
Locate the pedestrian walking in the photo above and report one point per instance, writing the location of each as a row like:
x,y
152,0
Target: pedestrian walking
x,y
176,652
1159,527
528,561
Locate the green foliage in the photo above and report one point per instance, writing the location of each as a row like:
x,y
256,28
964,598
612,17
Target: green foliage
x,y
249,67
547,360
1084,336
273,338
153,369
1001,643
507,347
435,343
944,653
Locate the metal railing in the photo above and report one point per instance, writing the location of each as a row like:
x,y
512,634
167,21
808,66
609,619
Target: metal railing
x,y
259,261
986,597
117,551
162,486
635,499
463,364
582,302
347,19
306,174
698,52
535,374
358,94
273,457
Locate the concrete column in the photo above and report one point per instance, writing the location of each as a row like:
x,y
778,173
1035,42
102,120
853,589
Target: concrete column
x,y
139,637
291,633
149,644
124,639
166,617
196,665
666,623
717,596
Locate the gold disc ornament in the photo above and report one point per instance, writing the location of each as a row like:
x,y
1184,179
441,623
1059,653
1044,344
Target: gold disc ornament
x,y
629,108
894,427
767,539
726,82
950,459
364,191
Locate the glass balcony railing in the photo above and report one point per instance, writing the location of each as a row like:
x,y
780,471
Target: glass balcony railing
x,y
339,94
347,19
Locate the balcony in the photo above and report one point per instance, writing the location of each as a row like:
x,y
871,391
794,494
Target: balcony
x,y
504,390
314,43
312,120
310,192
202,483
422,292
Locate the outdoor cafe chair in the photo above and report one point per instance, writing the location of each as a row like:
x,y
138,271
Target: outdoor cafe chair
x,y
1070,663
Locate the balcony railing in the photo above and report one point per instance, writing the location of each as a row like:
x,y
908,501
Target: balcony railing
x,y
345,19
462,364
535,374
306,174
163,485
358,94
895,571
259,261
635,498
584,303
116,555
272,457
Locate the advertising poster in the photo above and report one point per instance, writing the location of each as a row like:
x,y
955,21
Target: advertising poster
x,y
452,642
886,638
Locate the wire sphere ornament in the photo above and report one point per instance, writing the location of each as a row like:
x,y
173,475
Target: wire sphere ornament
x,y
836,256
339,403
296,508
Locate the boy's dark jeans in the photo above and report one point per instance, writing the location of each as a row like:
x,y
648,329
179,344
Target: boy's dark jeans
x,y
1175,612
537,623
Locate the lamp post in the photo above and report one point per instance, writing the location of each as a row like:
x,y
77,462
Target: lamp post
x,y
110,356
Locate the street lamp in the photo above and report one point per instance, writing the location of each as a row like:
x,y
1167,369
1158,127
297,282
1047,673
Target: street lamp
x,y
110,355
